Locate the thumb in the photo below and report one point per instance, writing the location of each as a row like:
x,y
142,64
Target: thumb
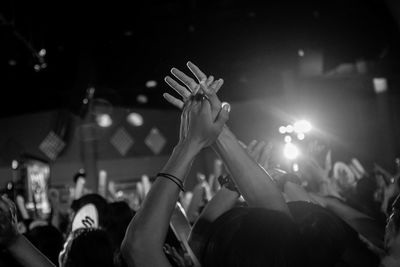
x,y
223,115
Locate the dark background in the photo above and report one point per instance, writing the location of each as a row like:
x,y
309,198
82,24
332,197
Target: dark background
x,y
118,46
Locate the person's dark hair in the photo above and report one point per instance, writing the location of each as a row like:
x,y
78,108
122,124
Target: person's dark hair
x,y
323,233
88,247
328,240
253,237
121,215
48,240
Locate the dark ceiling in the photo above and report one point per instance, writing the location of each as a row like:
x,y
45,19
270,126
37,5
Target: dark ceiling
x,y
117,47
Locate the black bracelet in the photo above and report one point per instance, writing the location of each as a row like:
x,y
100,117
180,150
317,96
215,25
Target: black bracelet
x,y
174,179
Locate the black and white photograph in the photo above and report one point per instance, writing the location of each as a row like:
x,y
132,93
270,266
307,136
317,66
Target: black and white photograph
x,y
200,133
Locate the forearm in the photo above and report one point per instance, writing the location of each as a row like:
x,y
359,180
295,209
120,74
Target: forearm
x,y
149,227
27,255
223,201
254,183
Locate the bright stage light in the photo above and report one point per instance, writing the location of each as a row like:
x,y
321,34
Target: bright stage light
x,y
282,129
104,120
290,151
288,139
135,119
289,129
302,126
295,167
301,136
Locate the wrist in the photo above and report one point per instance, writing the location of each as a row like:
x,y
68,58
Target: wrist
x,y
189,147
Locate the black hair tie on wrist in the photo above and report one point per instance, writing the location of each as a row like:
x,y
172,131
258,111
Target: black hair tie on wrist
x,y
173,178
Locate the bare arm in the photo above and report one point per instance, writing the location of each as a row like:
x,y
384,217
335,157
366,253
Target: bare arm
x,y
17,245
144,240
254,183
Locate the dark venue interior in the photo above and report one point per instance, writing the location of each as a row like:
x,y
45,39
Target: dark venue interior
x,y
292,159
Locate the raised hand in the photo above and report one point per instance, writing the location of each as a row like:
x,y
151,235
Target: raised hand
x,y
8,222
202,129
191,86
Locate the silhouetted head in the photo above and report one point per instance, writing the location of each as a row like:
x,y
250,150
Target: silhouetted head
x,y
48,240
328,240
120,219
87,247
253,237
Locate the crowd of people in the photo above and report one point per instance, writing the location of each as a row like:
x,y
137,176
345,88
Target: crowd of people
x,y
248,213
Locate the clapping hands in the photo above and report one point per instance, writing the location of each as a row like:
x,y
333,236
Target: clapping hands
x,y
203,115
197,123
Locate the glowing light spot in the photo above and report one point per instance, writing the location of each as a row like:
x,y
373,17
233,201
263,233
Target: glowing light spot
x,y
135,119
380,85
14,164
151,84
142,99
295,167
301,136
42,52
288,139
104,120
290,151
289,129
282,129
302,126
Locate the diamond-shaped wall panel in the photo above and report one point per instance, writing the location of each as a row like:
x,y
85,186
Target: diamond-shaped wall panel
x,y
155,141
122,141
52,145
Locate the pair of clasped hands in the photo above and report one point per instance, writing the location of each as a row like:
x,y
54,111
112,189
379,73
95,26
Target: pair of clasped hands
x,y
203,115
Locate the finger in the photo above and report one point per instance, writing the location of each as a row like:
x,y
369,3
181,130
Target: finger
x,y
209,80
183,91
251,146
189,82
173,100
196,71
242,144
223,116
216,85
219,85
216,104
265,155
257,150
